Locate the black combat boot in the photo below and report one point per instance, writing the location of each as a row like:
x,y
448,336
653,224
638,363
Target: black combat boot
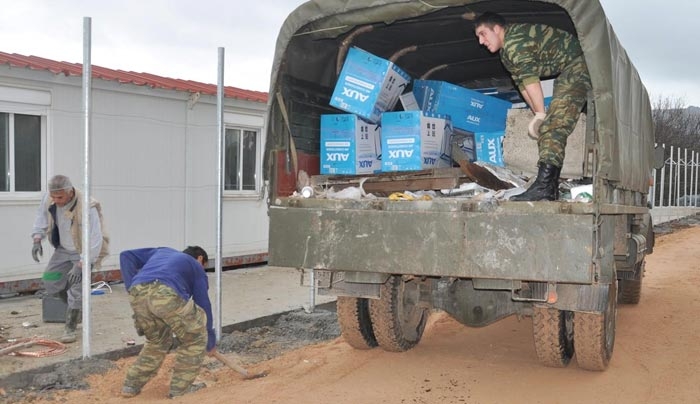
x,y
545,187
72,317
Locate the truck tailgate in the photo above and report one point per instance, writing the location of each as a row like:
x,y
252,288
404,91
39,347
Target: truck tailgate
x,y
542,241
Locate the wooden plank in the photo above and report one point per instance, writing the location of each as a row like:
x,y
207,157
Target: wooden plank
x,y
411,185
441,178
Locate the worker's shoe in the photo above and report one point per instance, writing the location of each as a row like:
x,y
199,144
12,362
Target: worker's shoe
x,y
69,334
193,387
545,187
128,391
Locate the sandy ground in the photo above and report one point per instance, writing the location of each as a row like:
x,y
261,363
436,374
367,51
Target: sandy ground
x,y
655,359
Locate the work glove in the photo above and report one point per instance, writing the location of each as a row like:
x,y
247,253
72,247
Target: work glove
x,y
37,250
75,275
533,128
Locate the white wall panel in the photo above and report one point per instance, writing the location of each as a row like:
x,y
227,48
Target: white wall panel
x,y
153,169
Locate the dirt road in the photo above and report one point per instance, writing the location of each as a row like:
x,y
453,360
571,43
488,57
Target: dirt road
x,y
655,360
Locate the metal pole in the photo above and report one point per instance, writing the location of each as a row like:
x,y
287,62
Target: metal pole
x,y
670,178
696,166
678,175
87,270
663,178
685,177
312,291
219,188
652,193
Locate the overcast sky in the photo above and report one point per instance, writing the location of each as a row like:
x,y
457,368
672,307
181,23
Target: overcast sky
x,y
179,39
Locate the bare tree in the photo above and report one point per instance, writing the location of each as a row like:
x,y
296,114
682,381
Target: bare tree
x,y
674,123
678,126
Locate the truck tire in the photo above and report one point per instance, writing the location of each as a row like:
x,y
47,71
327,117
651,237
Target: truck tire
x,y
630,290
355,323
594,335
553,332
397,319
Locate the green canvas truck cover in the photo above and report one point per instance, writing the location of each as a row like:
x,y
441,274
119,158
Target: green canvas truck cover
x,y
442,31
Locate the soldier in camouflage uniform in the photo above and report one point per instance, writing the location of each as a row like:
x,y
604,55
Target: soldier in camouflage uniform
x,y
168,292
528,52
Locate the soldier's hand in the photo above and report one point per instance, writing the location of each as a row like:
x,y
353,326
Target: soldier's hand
x,y
533,128
75,275
37,250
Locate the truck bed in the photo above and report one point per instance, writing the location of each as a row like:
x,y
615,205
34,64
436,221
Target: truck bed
x,y
446,236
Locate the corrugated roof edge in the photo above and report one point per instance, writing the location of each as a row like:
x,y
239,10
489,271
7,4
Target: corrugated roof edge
x,y
139,79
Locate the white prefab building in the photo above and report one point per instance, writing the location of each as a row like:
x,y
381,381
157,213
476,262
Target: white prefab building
x,y
154,163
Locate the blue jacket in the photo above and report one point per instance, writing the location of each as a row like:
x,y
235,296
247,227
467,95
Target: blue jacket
x,y
173,268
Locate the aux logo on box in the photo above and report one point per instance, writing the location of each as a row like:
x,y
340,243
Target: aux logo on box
x,y
354,94
337,156
476,103
398,154
474,119
491,144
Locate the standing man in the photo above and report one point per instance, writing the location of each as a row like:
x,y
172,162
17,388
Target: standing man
x,y
60,217
528,52
168,292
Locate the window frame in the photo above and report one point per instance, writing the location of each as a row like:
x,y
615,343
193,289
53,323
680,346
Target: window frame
x,y
13,109
239,193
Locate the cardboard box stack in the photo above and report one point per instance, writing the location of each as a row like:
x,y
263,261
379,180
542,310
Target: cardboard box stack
x,y
368,85
413,140
372,135
482,115
349,145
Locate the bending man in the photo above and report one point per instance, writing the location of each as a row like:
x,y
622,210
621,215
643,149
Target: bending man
x,y
528,52
168,292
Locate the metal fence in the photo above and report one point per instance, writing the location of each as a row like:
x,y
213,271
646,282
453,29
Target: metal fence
x,y
676,183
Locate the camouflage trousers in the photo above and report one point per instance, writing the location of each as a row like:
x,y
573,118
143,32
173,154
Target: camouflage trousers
x,y
570,95
159,312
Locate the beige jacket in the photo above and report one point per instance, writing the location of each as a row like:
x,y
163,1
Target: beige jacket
x,y
75,215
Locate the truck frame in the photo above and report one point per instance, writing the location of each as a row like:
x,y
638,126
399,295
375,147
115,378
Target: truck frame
x,y
566,264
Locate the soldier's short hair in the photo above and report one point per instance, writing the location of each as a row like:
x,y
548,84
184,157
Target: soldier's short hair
x,y
196,251
489,19
59,183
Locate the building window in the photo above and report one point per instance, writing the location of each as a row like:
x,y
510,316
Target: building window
x,y
20,152
241,159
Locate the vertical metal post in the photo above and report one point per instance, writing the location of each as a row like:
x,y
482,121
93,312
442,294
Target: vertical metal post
x,y
652,192
670,178
696,166
685,177
312,291
219,188
692,177
663,178
87,270
678,175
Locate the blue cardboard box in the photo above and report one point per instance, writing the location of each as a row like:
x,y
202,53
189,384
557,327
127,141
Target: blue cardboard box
x,y
349,145
368,85
413,140
469,110
489,147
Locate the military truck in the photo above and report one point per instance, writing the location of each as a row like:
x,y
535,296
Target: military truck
x,y
391,263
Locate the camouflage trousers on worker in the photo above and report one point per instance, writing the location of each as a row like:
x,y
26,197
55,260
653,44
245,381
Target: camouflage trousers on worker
x,y
571,89
160,313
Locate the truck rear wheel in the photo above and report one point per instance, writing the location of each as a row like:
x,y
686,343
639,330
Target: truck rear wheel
x,y
355,323
397,318
630,290
594,335
553,332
